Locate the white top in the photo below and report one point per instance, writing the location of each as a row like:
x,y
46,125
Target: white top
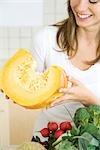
x,y
46,54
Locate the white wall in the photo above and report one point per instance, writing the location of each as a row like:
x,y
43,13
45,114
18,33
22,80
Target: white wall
x,y
54,11
14,35
21,13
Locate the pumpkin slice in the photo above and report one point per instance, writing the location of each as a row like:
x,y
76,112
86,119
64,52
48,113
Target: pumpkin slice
x,y
64,83
27,87
47,102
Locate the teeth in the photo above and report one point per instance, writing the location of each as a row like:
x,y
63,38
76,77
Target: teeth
x,y
83,16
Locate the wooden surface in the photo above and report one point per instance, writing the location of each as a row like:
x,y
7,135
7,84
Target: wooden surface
x,y
21,123
16,122
4,120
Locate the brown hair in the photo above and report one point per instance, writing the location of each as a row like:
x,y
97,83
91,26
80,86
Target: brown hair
x,y
67,36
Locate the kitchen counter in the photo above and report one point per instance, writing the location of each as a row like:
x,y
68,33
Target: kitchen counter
x,y
10,147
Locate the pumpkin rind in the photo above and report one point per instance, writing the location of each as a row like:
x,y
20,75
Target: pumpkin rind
x,y
27,87
47,102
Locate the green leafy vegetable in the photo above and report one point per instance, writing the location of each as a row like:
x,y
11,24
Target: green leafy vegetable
x,y
81,117
65,145
85,133
94,111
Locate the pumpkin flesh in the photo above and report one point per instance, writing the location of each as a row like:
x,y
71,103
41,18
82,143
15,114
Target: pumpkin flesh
x,y
63,83
24,85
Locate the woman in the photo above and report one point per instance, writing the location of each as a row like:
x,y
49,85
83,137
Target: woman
x,y
73,44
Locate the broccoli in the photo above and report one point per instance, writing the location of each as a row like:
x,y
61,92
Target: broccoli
x,y
81,117
85,133
86,115
88,119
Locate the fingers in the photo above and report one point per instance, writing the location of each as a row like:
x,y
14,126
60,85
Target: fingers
x,y
62,100
66,90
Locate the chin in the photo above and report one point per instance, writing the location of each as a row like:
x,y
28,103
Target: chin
x,y
85,25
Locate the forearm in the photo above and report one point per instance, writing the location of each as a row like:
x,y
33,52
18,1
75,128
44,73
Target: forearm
x,y
96,101
92,100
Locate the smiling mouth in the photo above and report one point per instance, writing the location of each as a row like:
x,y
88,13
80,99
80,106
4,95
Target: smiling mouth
x,y
83,16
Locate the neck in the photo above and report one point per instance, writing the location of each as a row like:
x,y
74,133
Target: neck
x,y
90,35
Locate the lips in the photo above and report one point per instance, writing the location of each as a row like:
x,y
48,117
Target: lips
x,y
83,16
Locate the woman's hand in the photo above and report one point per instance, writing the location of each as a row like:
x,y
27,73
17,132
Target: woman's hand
x,y
77,92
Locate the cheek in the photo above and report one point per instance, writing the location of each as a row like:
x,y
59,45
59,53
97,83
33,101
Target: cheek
x,y
97,13
73,4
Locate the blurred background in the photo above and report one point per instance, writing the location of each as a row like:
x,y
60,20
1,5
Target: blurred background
x,y
19,21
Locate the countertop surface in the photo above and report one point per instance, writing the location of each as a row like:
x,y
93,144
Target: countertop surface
x,y
10,147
